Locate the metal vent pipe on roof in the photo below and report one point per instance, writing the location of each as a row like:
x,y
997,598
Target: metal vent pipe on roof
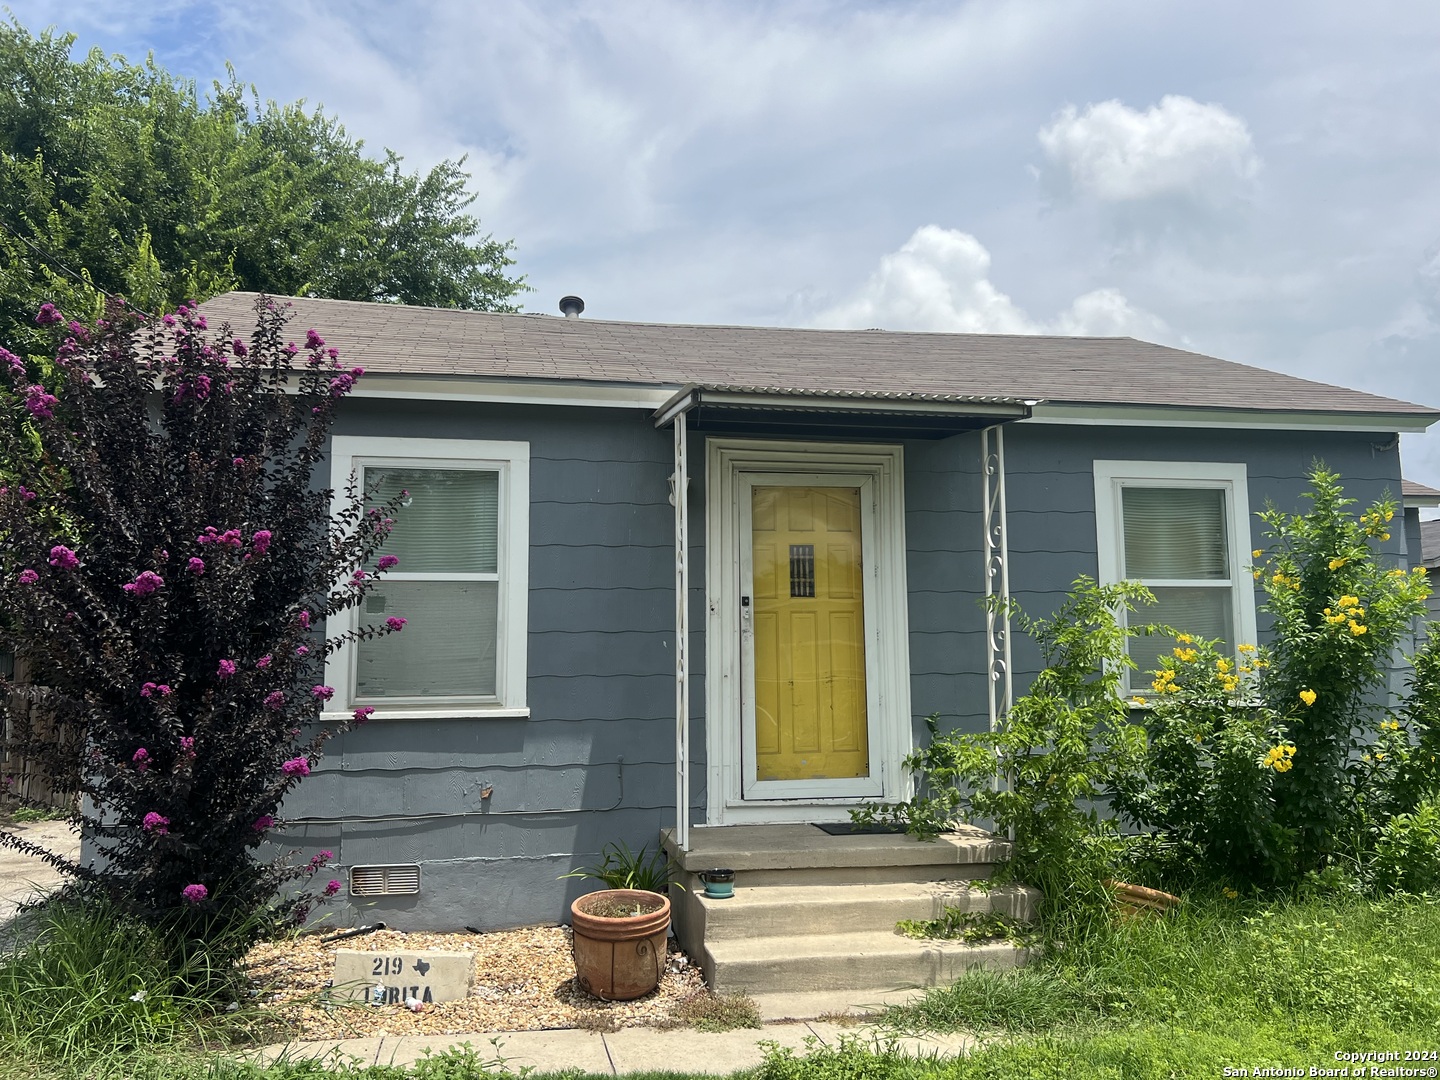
x,y
571,306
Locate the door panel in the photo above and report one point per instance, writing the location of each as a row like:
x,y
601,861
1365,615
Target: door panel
x,y
809,627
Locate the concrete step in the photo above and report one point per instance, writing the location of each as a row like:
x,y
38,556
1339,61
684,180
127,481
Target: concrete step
x,y
854,962
798,910
804,854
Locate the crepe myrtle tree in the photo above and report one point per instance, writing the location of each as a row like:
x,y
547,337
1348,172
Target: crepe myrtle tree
x,y
166,570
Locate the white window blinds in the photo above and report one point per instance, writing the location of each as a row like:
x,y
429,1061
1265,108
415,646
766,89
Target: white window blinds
x,y
1176,541
447,538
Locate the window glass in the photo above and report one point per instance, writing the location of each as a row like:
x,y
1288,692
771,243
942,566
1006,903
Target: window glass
x,y
1175,533
446,650
450,523
1200,612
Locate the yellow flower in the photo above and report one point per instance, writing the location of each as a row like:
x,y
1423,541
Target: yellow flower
x,y
1137,701
1283,766
1308,696
1256,575
1230,682
1256,553
1246,668
1389,514
1335,564
1186,655
1384,536
1222,665
1399,573
1199,738
1356,628
1245,648
1349,601
1230,893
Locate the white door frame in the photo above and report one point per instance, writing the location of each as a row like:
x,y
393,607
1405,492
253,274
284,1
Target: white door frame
x,y
731,466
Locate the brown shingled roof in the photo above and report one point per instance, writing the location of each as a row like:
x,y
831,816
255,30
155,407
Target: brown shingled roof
x,y
1413,489
394,339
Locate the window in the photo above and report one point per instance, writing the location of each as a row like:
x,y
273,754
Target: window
x,y
1182,529
462,538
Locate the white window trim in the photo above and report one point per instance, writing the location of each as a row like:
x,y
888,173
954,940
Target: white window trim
x,y
512,460
1230,477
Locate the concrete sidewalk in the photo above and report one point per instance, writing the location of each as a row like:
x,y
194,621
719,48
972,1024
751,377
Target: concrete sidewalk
x,y
620,1052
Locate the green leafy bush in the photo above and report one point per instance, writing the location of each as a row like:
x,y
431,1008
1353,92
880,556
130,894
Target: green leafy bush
x,y
1407,853
1340,613
1205,777
1040,774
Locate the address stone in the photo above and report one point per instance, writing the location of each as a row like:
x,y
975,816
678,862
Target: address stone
x,y
391,978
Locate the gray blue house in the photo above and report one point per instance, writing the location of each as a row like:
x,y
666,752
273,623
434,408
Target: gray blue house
x,y
830,507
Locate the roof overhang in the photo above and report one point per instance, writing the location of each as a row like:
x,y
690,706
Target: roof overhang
x,y
1103,415
836,414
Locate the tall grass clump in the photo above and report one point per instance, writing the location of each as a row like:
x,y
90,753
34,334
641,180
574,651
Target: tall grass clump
x,y
93,984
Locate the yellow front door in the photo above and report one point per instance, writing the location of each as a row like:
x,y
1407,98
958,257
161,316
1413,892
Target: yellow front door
x,y
809,634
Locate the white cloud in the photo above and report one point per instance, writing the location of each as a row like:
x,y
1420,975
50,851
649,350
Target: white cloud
x,y
940,280
1177,149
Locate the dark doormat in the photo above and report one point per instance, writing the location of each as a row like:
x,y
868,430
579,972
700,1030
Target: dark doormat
x,y
845,828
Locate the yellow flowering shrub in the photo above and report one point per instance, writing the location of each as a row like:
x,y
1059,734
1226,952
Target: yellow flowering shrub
x,y
1340,609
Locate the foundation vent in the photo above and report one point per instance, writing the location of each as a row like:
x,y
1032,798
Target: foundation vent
x,y
385,880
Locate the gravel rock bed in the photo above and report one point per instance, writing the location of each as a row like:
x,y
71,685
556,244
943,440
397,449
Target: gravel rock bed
x,y
524,980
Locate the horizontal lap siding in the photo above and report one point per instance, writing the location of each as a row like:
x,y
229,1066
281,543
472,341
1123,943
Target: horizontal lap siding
x,y
1050,495
595,761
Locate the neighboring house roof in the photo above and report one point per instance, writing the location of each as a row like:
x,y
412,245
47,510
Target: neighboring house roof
x,y
1430,543
399,340
1414,493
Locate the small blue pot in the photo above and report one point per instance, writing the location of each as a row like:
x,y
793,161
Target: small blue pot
x,y
719,884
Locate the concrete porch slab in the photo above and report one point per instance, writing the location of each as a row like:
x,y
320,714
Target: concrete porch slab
x,y
804,847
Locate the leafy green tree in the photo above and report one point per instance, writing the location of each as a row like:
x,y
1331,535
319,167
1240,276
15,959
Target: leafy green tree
x,y
123,175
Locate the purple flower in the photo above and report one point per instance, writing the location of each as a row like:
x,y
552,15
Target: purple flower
x,y
63,558
313,340
296,766
238,348
227,668
141,758
395,623
263,662
357,577
387,561
324,693
262,541
319,859
40,402
238,462
332,887
364,713
304,620
275,700
302,650
147,689
47,315
25,493
163,690
187,745
200,323
17,366
263,822
147,583
156,823
195,565
341,384
202,386
194,893
28,577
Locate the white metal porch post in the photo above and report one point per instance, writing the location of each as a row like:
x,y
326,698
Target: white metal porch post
x,y
679,483
1000,692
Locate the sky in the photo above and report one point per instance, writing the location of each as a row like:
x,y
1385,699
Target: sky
x,y
1253,181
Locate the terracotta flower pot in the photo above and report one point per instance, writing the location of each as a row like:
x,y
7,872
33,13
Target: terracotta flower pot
x,y
1134,901
619,953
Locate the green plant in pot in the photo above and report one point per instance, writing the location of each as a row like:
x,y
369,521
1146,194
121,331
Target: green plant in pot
x,y
619,932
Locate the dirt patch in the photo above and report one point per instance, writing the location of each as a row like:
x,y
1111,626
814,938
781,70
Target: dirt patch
x,y
524,980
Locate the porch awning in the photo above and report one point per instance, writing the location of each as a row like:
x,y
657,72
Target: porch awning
x,y
747,410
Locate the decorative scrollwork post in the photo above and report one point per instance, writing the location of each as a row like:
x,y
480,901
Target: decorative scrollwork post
x,y
999,679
